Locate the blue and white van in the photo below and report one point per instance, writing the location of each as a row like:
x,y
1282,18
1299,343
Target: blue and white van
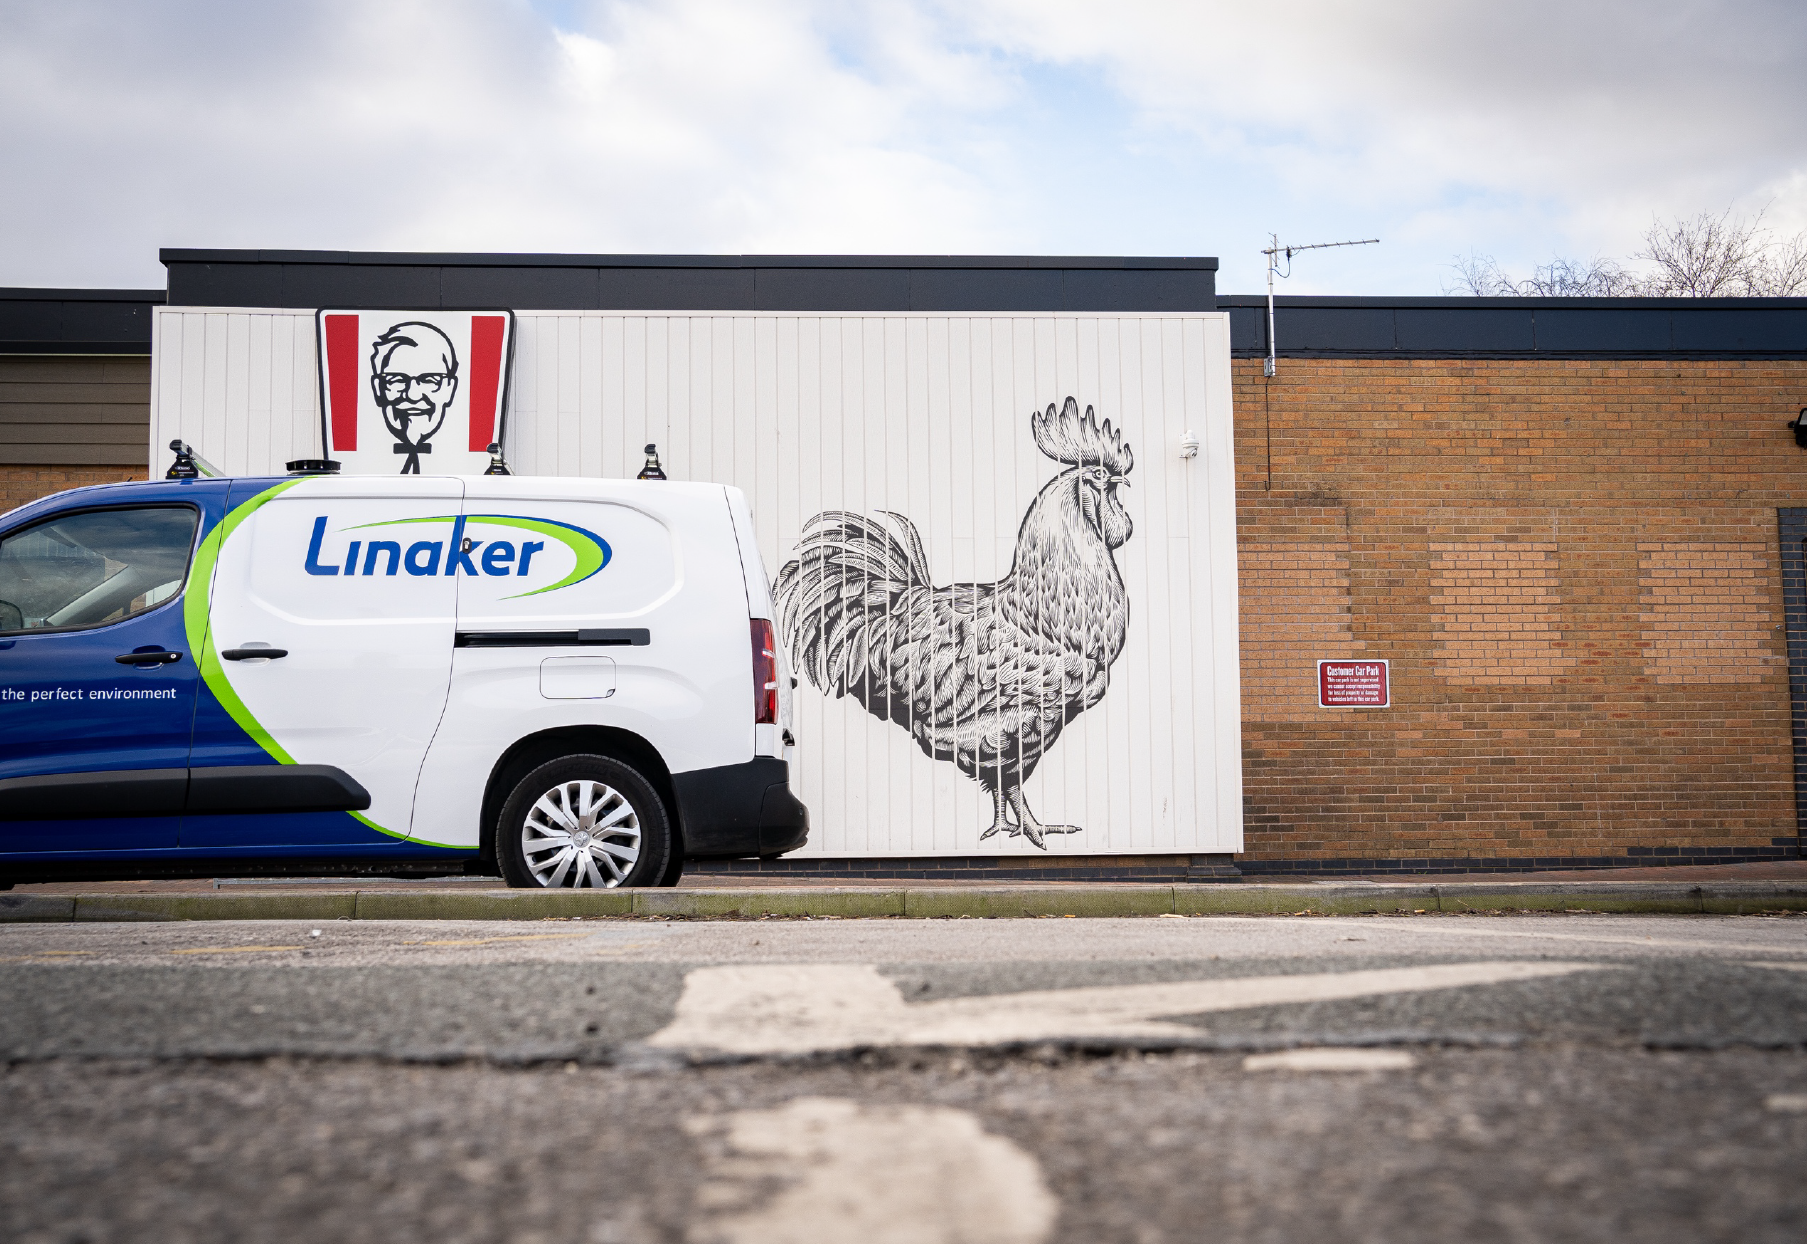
x,y
571,683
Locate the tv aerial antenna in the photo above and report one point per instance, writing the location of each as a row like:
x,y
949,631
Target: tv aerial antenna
x,y
1273,253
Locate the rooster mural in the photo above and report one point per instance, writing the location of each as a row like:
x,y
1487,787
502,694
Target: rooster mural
x,y
985,675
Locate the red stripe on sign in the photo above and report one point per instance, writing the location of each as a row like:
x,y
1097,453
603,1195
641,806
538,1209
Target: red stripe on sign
x,y
342,382
486,377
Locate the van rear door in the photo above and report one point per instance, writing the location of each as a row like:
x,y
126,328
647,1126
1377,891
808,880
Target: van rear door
x,y
352,580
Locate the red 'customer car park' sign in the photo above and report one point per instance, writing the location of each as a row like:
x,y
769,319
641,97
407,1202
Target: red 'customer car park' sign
x,y
1353,684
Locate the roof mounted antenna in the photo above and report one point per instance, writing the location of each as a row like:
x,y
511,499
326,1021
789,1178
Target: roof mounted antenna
x,y
189,464
1273,254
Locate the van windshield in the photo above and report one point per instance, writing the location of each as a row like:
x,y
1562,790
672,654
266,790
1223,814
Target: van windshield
x,y
95,567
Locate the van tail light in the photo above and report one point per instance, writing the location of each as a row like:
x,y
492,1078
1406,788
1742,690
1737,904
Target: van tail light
x,y
765,674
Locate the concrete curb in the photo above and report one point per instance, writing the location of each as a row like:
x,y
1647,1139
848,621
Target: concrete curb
x,y
923,902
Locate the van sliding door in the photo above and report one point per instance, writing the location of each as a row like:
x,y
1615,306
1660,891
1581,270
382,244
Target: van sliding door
x,y
352,585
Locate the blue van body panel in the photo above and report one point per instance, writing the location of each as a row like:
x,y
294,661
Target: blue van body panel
x,y
69,730
390,850
95,713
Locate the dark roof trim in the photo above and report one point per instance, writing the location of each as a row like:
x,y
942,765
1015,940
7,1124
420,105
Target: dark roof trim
x,y
1507,328
29,293
179,255
800,283
77,321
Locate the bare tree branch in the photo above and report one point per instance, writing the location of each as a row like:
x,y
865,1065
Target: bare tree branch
x,y
1704,256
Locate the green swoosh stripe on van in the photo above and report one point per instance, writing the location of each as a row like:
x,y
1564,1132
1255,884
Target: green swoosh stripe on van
x,y
591,550
196,608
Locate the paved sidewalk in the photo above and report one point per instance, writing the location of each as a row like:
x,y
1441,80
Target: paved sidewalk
x,y
1769,870
482,899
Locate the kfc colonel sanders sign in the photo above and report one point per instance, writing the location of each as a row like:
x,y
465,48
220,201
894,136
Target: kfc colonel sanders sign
x,y
412,392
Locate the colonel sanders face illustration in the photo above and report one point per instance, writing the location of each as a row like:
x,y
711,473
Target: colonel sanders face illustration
x,y
414,378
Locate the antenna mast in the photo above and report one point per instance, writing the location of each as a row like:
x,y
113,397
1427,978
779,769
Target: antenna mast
x,y
1273,253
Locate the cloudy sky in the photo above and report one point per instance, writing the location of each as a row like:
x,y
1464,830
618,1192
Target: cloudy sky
x,y
1148,127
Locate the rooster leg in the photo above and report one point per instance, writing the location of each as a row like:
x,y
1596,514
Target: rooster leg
x,y
1033,829
1000,823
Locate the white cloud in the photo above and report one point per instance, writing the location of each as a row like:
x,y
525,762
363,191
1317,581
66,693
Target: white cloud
x,y
889,126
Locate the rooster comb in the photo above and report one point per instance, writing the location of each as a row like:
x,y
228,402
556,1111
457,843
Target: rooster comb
x,y
1076,440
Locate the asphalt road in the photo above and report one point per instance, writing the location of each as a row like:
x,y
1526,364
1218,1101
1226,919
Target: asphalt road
x,y
1488,1078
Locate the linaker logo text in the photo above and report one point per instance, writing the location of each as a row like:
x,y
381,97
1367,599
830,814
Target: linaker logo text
x,y
461,553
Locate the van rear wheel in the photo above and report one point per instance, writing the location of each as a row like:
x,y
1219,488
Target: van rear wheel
x,y
583,822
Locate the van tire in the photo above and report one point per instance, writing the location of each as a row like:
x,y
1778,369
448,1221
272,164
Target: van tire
x,y
674,871
570,781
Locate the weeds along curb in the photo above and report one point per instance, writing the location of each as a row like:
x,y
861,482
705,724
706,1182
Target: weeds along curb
x,y
922,902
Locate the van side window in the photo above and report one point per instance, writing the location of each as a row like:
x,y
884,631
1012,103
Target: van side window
x,y
94,567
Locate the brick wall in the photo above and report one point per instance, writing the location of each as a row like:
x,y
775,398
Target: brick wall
x,y
1573,569
20,484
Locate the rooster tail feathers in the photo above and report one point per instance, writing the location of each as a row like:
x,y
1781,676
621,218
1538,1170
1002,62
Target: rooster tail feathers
x,y
919,561
1068,437
836,595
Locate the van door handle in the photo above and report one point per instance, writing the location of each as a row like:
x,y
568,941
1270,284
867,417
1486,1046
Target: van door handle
x,y
253,654
149,658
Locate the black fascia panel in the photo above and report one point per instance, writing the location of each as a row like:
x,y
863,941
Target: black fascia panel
x,y
339,257
967,290
22,320
107,321
226,285
1131,290
690,282
56,321
832,289
1562,327
1248,329
674,289
1626,330
540,289
33,293
184,255
1752,329
351,285
1366,330
1448,328
1001,263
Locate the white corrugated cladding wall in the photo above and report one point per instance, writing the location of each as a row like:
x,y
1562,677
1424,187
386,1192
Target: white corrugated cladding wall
x,y
926,415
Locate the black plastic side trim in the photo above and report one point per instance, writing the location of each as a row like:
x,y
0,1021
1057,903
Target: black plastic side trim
x,y
86,796
275,788
168,792
638,637
739,810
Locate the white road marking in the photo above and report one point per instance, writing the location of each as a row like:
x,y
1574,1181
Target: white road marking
x,y
801,1008
1331,1058
1787,1103
1786,967
1673,943
874,1174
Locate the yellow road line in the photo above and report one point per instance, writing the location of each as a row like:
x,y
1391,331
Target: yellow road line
x,y
519,937
41,954
230,950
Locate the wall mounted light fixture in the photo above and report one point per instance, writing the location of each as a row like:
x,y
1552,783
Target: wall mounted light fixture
x,y
1798,425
